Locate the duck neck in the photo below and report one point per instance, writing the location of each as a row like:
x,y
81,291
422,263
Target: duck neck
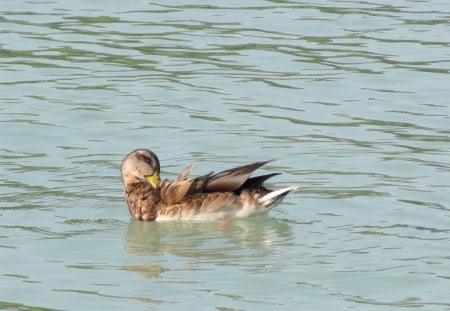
x,y
143,201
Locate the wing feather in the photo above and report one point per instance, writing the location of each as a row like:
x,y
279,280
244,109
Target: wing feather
x,y
232,179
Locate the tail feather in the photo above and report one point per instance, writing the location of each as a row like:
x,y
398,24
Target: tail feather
x,y
275,197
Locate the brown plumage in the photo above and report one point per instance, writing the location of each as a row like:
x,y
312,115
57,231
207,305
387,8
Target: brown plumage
x,y
227,194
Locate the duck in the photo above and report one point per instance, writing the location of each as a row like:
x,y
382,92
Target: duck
x,y
224,195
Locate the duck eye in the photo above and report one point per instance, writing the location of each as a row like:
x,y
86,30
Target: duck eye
x,y
145,159
149,161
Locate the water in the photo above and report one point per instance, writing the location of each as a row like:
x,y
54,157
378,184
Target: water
x,y
352,98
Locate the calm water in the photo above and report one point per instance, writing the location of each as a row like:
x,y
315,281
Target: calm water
x,y
351,97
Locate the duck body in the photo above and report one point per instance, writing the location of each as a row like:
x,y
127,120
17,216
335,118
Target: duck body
x,y
224,195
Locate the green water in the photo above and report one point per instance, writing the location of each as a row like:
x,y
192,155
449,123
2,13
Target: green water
x,y
352,99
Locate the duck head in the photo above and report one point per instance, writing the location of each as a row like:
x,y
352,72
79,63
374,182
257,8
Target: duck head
x,y
140,165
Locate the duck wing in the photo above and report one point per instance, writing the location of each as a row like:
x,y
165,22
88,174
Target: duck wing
x,y
232,180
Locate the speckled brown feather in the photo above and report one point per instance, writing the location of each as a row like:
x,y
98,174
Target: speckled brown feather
x,y
200,204
142,200
146,203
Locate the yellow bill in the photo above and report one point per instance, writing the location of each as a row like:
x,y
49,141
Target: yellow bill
x,y
153,179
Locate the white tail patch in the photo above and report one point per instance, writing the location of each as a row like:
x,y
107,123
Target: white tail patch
x,y
276,193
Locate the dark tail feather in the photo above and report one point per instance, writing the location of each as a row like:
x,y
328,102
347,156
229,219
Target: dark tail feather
x,y
255,182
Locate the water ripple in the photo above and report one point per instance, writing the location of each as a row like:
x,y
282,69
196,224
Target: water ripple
x,y
351,98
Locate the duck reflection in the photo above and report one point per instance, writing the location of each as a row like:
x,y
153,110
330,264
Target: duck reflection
x,y
217,242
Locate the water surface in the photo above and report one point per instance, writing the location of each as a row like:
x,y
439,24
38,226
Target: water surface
x,y
350,97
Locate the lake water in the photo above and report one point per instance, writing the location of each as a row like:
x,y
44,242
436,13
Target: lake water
x,y
352,99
